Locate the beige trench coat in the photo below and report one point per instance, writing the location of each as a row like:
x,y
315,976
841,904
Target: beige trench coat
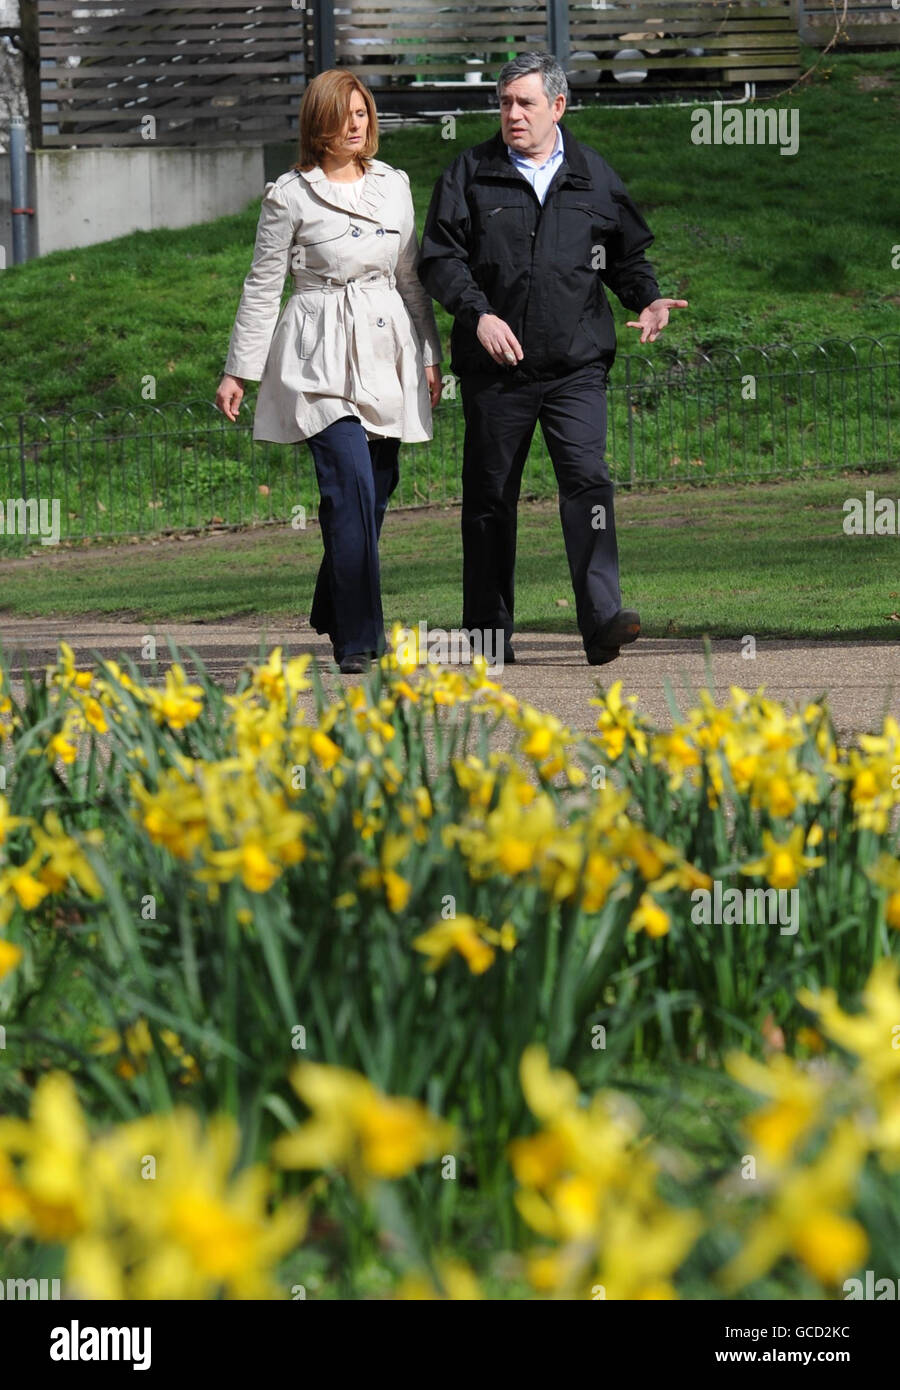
x,y
358,330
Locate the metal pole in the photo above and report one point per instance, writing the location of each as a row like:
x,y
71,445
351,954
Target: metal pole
x,y
18,186
323,36
558,30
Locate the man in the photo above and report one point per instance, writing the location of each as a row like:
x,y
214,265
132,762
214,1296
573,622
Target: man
x,y
521,235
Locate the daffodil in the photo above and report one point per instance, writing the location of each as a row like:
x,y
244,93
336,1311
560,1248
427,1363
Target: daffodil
x,y
619,725
10,956
886,873
650,917
64,858
588,1186
191,1228
64,674
678,753
470,936
20,887
53,1149
454,1281
396,888
783,863
808,1217
871,1035
197,1229
797,1098
9,822
136,1044
180,703
355,1127
279,684
325,749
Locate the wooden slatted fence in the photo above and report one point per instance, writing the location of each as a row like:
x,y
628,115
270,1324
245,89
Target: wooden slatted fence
x,y
202,71
226,71
869,23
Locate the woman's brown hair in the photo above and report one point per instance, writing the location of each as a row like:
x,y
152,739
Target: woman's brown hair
x,y
323,115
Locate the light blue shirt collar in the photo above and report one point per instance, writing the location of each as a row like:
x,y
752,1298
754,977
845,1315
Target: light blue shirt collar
x,y
540,176
521,159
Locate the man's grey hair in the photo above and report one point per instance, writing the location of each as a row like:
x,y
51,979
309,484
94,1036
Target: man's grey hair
x,y
552,74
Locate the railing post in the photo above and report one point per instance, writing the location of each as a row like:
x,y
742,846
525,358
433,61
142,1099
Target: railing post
x,y
323,36
558,30
23,511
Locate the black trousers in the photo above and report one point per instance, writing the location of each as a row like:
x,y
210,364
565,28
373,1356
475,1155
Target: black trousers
x,y
356,477
500,415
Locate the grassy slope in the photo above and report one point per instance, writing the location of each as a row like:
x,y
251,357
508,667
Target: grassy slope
x,y
693,560
765,247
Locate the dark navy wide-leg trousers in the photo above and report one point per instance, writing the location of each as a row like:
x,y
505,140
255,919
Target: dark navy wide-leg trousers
x,y
356,477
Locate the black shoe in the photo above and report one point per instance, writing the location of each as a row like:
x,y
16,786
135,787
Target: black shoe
x,y
509,656
355,663
621,629
484,647
599,656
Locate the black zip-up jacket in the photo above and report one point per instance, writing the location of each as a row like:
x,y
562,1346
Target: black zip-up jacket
x,y
489,246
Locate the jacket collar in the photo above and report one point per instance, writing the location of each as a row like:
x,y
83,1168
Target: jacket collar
x,y
496,163
372,199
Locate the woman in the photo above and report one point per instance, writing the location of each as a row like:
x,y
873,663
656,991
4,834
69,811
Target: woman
x,y
351,364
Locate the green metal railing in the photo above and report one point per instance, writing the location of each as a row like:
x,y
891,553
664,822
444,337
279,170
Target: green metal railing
x,y
757,413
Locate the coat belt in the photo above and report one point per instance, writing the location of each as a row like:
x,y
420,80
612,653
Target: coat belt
x,y
356,320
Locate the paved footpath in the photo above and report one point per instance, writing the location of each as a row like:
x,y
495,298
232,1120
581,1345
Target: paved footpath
x,y
862,679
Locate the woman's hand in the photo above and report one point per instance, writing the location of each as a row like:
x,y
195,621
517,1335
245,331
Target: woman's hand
x,y
433,377
229,396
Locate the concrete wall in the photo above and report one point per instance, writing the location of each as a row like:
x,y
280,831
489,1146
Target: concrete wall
x,y
86,196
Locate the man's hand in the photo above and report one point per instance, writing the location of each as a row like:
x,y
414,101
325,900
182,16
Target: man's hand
x,y
433,377
654,318
497,338
229,396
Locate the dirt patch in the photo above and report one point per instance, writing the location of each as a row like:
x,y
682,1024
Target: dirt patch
x,y
872,82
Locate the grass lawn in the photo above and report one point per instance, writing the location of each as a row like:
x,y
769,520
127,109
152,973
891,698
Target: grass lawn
x,y
770,560
766,247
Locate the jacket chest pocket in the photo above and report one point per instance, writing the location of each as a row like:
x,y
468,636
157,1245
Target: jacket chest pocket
x,y
584,230
502,230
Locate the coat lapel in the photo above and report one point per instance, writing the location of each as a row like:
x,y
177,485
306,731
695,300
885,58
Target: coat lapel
x,y
373,196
